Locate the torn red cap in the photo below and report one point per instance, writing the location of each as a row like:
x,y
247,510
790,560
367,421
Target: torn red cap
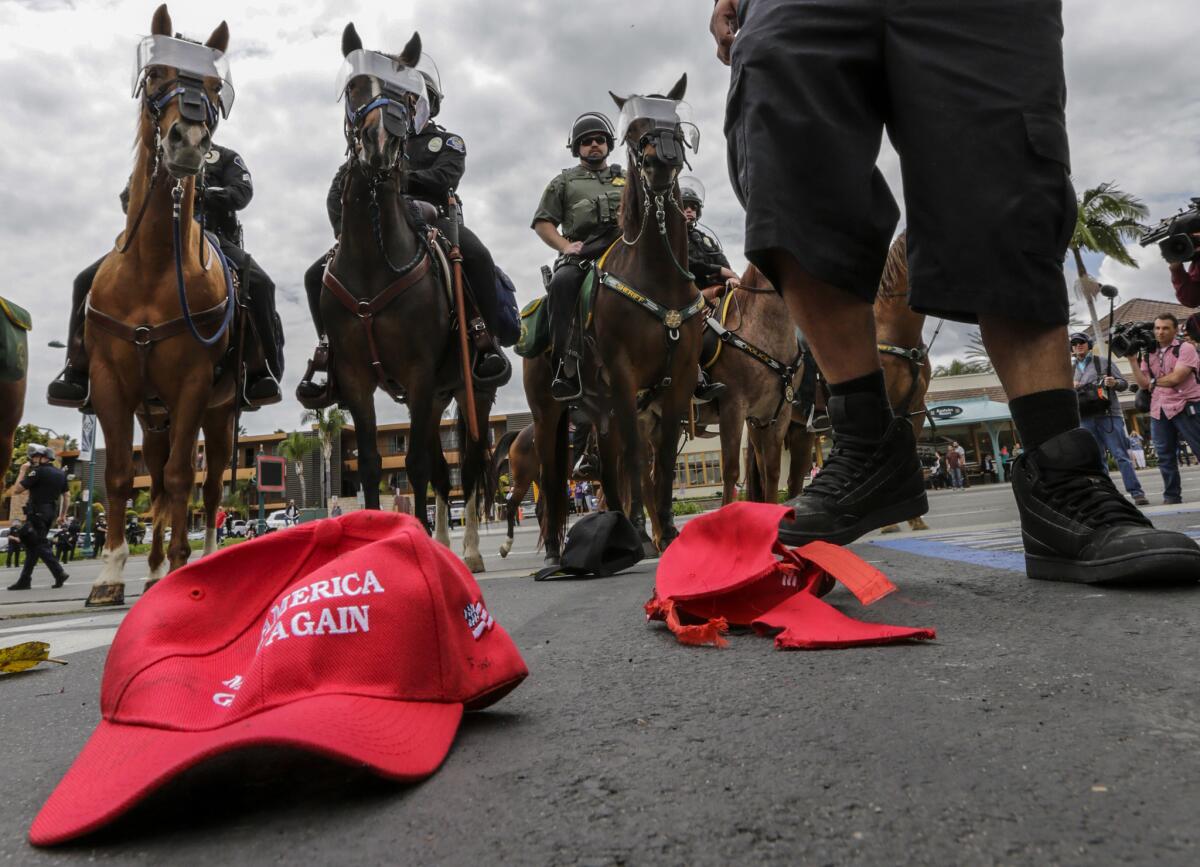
x,y
358,638
728,567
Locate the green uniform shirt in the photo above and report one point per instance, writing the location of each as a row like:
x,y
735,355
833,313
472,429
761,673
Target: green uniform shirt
x,y
582,202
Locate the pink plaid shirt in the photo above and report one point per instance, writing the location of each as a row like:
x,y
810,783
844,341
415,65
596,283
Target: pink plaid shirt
x,y
1169,402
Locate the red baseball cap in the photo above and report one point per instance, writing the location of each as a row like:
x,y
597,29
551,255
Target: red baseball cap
x,y
729,567
358,638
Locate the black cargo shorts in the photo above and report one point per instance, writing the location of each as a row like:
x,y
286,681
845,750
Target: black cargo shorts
x,y
972,95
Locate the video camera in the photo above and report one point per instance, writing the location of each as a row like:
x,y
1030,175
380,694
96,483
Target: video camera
x,y
1129,338
1174,235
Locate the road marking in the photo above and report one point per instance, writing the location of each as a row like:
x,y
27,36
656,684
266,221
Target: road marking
x,y
66,637
96,620
995,548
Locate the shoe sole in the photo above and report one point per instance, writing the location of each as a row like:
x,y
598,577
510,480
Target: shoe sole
x,y
892,514
1160,567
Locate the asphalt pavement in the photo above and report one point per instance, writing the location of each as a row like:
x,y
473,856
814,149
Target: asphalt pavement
x,y
1047,724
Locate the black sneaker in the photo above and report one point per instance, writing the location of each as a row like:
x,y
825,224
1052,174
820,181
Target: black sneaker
x,y
1077,526
864,485
20,586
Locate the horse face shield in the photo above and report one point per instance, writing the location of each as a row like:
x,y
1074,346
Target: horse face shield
x,y
658,128
370,81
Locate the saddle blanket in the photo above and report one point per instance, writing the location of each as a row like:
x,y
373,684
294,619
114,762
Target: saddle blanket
x,y
15,322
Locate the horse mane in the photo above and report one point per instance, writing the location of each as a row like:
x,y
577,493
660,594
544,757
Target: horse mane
x,y
629,214
895,269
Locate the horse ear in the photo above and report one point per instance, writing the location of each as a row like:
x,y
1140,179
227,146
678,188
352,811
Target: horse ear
x,y
219,41
161,23
679,89
351,41
619,100
412,52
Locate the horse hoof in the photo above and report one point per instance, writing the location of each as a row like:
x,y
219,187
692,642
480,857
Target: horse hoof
x,y
475,564
649,549
918,524
551,560
891,528
105,594
505,547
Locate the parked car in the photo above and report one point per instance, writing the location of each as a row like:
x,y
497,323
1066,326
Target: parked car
x,y
236,528
458,512
277,520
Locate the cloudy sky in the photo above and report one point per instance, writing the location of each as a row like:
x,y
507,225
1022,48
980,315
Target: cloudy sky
x,y
515,76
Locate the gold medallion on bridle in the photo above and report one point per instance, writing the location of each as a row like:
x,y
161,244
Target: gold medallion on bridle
x,y
673,319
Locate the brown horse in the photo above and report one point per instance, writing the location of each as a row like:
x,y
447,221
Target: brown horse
x,y
144,344
633,358
906,366
387,310
519,450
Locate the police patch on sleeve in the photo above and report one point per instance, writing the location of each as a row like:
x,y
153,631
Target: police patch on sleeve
x,y
237,161
456,144
435,144
212,157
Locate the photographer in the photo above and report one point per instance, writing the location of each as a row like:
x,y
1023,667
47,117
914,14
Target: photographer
x,y
1186,280
1097,382
1168,372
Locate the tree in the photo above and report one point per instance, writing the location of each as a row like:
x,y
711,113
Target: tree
x,y
958,367
1108,218
294,447
329,423
977,354
24,435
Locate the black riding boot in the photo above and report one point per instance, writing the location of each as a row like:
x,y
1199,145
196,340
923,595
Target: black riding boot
x,y
311,394
262,385
871,479
564,297
71,386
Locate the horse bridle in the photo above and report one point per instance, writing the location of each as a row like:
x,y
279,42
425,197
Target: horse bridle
x,y
396,109
660,137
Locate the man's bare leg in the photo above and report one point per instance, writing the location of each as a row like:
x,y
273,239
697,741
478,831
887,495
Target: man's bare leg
x,y
872,477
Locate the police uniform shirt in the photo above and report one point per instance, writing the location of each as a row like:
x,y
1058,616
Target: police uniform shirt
x,y
705,257
582,202
45,485
437,160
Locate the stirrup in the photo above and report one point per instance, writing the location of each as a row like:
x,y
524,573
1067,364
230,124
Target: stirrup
x,y
83,403
815,423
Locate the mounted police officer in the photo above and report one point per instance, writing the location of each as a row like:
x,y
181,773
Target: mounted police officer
x,y
436,162
46,485
706,259
228,189
577,218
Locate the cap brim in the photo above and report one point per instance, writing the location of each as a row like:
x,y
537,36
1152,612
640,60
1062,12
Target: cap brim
x,y
121,764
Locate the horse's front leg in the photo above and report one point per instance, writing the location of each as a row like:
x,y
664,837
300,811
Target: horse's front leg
x,y
116,420
218,449
625,418
674,402
179,474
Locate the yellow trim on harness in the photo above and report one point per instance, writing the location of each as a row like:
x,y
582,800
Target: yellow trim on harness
x,y
723,318
13,318
604,256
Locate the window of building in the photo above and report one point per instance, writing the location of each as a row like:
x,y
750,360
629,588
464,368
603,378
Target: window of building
x,y
697,470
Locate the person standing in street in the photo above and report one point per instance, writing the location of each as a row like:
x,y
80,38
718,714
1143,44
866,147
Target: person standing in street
x,y
46,485
954,466
814,84
221,517
291,514
13,555
1137,451
1169,373
1097,382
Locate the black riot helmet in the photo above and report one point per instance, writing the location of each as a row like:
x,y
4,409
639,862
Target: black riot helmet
x,y
434,93
588,123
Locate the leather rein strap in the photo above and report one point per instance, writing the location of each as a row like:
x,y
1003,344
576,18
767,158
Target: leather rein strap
x,y
366,310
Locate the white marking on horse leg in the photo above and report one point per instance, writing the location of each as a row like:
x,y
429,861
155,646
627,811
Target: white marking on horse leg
x,y
113,571
158,573
441,525
210,541
471,555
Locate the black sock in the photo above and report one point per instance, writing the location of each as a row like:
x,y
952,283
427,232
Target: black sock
x,y
1043,415
865,410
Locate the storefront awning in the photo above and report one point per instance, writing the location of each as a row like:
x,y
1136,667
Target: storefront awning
x,y
968,410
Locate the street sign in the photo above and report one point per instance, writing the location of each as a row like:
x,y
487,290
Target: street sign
x,y
941,413
271,472
87,440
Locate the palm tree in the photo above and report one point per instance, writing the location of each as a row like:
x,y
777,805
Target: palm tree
x,y
958,367
294,447
977,353
1108,218
329,423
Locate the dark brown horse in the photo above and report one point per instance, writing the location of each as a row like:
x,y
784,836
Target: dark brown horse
x,y
635,357
151,356
898,331
386,305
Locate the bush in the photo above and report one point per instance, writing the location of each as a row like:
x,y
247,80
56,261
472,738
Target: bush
x,y
685,507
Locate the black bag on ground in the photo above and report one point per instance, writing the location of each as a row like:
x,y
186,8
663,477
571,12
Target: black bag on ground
x,y
600,544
